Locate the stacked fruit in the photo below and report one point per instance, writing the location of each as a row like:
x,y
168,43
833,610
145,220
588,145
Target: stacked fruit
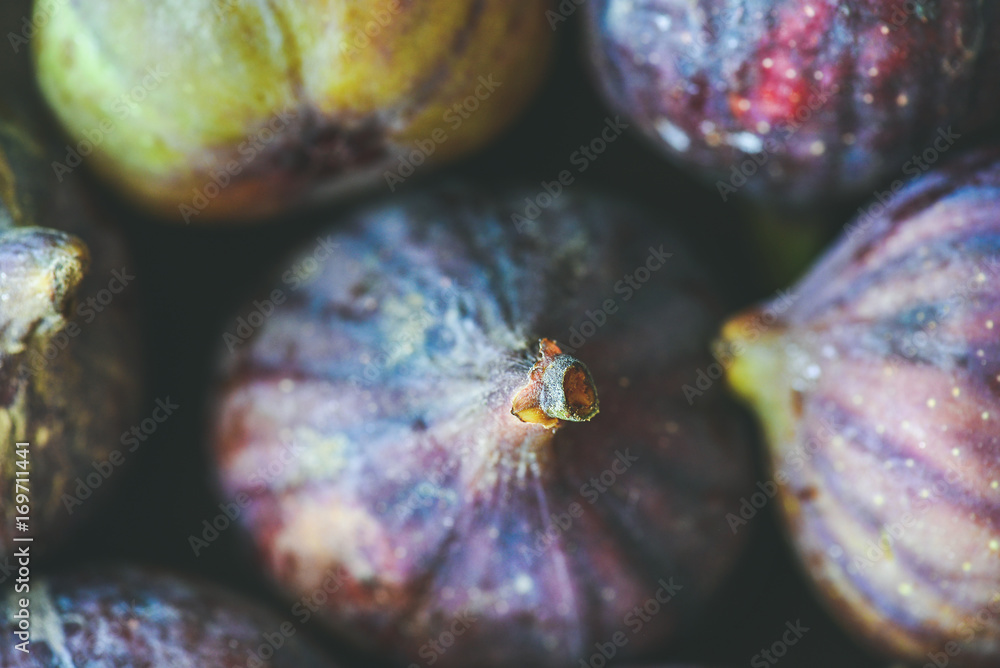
x,y
478,424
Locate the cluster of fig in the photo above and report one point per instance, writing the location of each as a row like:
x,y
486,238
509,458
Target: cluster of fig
x,y
470,475
798,101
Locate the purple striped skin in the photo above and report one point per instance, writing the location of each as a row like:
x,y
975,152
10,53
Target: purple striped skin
x,y
419,492
879,391
133,616
797,100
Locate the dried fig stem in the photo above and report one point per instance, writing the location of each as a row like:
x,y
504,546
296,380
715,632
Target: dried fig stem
x,y
559,388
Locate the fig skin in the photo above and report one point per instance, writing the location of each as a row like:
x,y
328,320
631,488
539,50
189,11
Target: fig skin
x,y
70,372
282,93
872,85
878,392
369,424
136,616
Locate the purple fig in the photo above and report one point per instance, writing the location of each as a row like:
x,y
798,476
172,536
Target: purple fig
x,y
799,100
141,617
878,385
473,432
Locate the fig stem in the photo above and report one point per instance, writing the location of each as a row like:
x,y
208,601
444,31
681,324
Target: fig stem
x,y
759,374
559,388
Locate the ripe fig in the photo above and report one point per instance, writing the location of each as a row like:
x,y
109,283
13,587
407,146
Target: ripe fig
x,y
472,433
205,109
879,392
799,101
69,352
143,617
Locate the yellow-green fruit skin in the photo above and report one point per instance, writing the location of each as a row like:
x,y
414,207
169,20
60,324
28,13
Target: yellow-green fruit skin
x,y
237,109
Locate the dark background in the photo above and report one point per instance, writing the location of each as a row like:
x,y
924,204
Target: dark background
x,y
193,280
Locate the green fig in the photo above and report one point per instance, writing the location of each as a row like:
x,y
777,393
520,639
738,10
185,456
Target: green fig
x,y
207,109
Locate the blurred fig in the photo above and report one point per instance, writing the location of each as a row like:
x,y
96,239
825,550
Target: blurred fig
x,y
369,430
800,101
206,109
70,378
878,384
141,617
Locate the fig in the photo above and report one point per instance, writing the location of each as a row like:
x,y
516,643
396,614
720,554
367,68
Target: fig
x,y
471,436
136,616
878,387
208,109
70,377
799,101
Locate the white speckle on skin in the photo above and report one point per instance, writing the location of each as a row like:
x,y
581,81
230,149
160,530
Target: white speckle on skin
x,y
746,142
523,584
673,135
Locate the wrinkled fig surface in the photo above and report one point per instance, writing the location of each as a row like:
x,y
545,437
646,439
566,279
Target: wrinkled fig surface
x,y
800,100
204,109
132,617
69,361
368,427
879,391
